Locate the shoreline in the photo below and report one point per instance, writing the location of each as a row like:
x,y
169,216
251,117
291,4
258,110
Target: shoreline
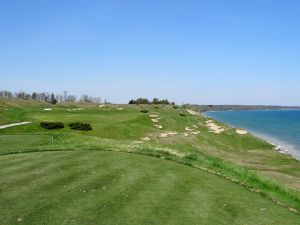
x,y
278,145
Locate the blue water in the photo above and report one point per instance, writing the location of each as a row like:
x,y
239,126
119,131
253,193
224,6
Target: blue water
x,y
281,127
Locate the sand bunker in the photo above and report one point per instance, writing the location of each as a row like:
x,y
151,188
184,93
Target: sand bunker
x,y
146,139
185,134
214,127
242,132
119,108
167,134
47,109
100,106
158,126
155,120
153,116
192,112
195,126
189,129
195,132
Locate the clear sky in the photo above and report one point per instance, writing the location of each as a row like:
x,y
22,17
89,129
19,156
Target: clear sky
x,y
206,52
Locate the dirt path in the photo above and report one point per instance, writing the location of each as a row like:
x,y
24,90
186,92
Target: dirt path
x,y
13,125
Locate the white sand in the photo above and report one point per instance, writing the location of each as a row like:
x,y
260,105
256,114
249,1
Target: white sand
x,y
155,120
242,132
192,112
153,116
47,109
189,129
167,134
146,139
195,132
119,108
158,126
214,127
100,106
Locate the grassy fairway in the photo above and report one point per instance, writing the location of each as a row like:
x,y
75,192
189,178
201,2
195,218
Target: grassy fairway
x,y
72,186
98,187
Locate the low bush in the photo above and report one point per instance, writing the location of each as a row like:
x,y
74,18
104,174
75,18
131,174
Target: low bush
x,y
144,111
80,126
52,125
181,114
175,107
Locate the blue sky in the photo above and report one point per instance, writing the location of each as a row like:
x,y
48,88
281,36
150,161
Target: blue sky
x,y
206,52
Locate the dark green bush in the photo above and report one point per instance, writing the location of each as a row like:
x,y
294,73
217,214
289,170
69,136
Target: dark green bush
x,y
181,114
175,107
144,111
52,125
80,126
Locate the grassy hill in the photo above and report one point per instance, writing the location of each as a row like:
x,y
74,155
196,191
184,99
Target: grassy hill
x,y
180,172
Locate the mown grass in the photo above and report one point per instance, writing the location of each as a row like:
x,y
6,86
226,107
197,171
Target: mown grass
x,y
97,187
242,160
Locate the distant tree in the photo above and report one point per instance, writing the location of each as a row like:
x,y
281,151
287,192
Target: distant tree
x,y
155,101
71,98
65,95
53,99
34,96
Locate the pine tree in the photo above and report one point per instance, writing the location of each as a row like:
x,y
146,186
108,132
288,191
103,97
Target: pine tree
x,y
53,99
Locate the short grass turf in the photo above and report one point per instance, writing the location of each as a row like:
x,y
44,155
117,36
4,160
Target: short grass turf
x,y
99,187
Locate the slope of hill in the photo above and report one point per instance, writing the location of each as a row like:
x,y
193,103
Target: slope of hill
x,y
212,176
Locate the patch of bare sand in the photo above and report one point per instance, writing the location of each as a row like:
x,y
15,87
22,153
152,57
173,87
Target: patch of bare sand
x,y
167,134
145,139
189,129
242,132
158,126
192,112
214,127
155,120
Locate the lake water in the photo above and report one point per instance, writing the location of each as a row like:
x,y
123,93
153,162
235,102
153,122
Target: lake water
x,y
282,127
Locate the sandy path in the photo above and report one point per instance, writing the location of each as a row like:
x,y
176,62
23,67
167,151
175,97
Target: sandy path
x,y
13,125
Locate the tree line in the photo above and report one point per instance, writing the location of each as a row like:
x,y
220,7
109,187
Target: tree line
x,y
154,101
51,98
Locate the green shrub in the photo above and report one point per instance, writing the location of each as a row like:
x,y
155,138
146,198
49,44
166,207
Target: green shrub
x,y
80,126
52,125
181,114
175,107
144,111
